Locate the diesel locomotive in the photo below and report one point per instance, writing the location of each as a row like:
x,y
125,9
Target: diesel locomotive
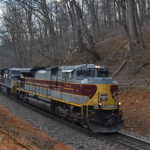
x,y
85,94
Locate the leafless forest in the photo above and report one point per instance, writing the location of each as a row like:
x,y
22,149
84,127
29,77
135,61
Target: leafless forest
x,y
33,31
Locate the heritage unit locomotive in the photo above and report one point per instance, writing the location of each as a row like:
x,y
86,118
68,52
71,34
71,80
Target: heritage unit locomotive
x,y
85,94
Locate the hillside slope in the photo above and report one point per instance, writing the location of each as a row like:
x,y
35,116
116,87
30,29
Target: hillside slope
x,y
136,107
113,52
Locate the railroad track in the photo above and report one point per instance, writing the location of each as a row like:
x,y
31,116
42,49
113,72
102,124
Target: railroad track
x,y
137,144
128,141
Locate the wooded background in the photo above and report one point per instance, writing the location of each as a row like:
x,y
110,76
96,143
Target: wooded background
x,y
37,30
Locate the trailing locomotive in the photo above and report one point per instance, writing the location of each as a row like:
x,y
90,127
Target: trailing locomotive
x,y
85,94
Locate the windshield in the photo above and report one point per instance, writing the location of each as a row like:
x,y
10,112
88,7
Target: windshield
x,y
86,73
103,73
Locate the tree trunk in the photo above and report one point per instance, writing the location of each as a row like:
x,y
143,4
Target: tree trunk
x,y
132,21
139,29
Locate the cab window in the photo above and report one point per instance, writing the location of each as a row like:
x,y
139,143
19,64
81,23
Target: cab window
x,y
16,72
103,73
86,73
67,75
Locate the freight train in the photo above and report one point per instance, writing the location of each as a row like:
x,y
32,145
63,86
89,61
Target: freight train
x,y
85,94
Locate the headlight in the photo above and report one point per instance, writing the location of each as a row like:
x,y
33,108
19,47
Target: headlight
x,y
97,67
100,104
119,103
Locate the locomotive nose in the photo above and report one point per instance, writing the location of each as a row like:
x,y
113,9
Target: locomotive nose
x,y
108,97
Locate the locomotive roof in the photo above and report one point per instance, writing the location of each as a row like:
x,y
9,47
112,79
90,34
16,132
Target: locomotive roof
x,y
64,67
70,67
20,69
73,67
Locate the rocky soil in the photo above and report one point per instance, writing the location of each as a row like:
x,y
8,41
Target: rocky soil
x,y
16,134
136,108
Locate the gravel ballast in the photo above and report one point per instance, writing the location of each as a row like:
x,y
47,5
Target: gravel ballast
x,y
76,139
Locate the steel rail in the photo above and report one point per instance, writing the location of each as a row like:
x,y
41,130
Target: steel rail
x,y
133,142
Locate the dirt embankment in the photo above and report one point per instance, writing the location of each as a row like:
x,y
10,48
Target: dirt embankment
x,y
16,134
113,51
136,109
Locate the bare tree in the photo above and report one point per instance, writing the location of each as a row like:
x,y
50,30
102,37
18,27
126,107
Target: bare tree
x,y
38,30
